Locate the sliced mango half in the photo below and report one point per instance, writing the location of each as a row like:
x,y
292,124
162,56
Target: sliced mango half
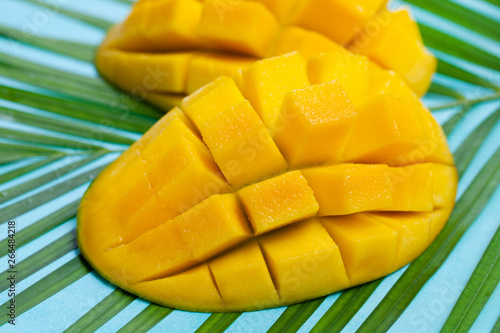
x,y
253,196
174,47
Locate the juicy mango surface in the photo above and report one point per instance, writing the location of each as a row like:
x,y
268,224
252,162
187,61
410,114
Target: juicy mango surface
x,y
170,48
264,190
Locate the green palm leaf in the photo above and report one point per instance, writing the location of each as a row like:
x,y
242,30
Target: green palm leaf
x,y
477,292
58,133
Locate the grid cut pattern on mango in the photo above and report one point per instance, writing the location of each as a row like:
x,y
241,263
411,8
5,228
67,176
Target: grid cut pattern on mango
x,y
267,190
166,49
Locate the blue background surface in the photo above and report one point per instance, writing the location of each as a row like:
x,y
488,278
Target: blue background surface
x,y
426,313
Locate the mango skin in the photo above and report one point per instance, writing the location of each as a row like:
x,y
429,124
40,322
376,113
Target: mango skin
x,y
165,223
174,47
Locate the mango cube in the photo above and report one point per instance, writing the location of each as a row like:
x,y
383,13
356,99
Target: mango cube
x,y
243,278
180,288
110,203
129,196
215,225
247,27
159,25
129,34
241,145
404,181
445,179
303,258
411,59
318,121
280,8
211,99
158,140
278,201
438,220
149,216
318,15
307,43
350,70
171,24
435,147
206,67
155,254
368,247
266,82
413,234
350,188
187,170
398,131
382,81
139,72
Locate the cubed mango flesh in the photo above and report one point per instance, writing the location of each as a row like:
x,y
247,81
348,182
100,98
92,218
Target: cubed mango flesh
x,y
243,278
229,36
350,70
413,234
302,259
280,8
164,133
278,201
266,82
206,67
387,128
143,72
444,179
187,170
317,122
215,225
345,189
368,247
411,59
211,99
171,221
241,145
154,254
180,288
307,43
404,180
319,15
253,27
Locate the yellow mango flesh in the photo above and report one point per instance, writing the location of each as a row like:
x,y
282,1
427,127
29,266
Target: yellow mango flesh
x,y
317,122
404,179
217,224
181,288
266,88
280,8
368,247
398,130
172,222
152,23
253,27
241,145
410,58
413,234
350,188
318,15
304,260
243,278
307,43
175,47
208,102
349,69
206,67
278,201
